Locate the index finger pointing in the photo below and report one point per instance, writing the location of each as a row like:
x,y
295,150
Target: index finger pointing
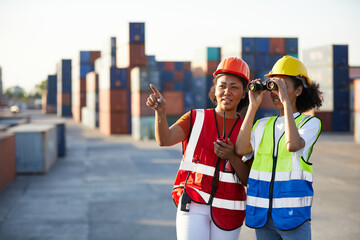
x,y
154,89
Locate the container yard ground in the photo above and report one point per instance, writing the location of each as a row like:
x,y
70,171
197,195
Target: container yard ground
x,y
112,187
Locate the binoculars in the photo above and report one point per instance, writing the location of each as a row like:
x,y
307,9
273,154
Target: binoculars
x,y
262,85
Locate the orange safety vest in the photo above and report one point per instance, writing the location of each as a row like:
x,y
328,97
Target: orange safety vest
x,y
207,178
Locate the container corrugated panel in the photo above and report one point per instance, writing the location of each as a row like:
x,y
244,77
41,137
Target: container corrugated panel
x,y
7,159
64,111
143,127
174,102
114,122
341,121
213,53
36,147
138,104
341,99
326,120
262,45
92,100
291,45
274,58
277,46
248,45
178,65
114,100
118,78
160,65
167,76
137,32
262,62
340,55
60,132
188,101
90,117
169,66
356,94
354,72
249,58
179,86
93,56
140,80
85,69
341,77
85,57
151,61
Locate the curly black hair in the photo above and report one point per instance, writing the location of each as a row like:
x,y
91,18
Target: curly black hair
x,y
242,104
310,97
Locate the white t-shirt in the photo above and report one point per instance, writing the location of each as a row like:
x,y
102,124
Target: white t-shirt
x,y
309,132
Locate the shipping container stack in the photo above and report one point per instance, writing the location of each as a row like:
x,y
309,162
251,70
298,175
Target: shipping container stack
x,y
51,95
356,110
90,113
64,88
142,117
203,66
261,54
114,92
354,74
175,80
7,159
328,65
82,64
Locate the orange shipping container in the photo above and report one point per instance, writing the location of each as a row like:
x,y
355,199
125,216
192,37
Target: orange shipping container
x,y
114,100
92,82
277,46
357,95
326,120
169,86
174,102
94,55
131,55
64,99
187,66
178,75
114,123
169,66
211,67
138,104
7,159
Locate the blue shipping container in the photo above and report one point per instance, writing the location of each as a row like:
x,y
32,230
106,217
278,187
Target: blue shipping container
x,y
341,99
85,69
167,76
65,111
262,62
151,61
247,45
51,97
274,58
118,78
137,33
214,54
85,57
291,45
179,65
188,101
341,121
179,86
160,65
262,45
249,58
341,77
340,55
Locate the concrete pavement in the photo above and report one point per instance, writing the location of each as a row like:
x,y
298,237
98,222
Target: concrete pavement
x,y
112,187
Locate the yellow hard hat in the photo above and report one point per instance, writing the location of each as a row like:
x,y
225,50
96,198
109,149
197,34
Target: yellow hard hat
x,y
290,66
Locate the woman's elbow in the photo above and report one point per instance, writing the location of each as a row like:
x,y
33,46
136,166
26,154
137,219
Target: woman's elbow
x,y
293,147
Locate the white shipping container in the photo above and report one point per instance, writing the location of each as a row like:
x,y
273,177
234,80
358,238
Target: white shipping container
x,y
357,127
143,128
92,100
322,75
36,147
141,78
328,103
90,117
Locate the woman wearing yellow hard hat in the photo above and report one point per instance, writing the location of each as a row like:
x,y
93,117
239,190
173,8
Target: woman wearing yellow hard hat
x,y
280,193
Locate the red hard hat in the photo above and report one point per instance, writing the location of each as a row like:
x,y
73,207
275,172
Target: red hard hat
x,y
234,65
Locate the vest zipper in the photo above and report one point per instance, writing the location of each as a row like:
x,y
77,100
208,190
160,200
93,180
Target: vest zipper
x,y
272,182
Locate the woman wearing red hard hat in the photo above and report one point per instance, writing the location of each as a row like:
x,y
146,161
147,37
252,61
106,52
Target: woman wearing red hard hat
x,y
209,188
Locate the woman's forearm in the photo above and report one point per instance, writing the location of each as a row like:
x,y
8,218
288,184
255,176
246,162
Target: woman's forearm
x,y
292,137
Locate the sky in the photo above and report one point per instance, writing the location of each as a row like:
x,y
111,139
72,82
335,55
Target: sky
x,y
36,34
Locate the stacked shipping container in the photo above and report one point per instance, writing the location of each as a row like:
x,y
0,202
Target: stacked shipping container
x,y
51,95
356,83
204,65
261,54
114,92
328,66
90,113
7,160
64,88
83,63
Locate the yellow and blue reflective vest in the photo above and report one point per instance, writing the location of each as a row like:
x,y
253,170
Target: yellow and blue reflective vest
x,y
279,183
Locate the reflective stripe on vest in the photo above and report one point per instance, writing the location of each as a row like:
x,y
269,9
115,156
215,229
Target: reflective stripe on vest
x,y
288,194
198,168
